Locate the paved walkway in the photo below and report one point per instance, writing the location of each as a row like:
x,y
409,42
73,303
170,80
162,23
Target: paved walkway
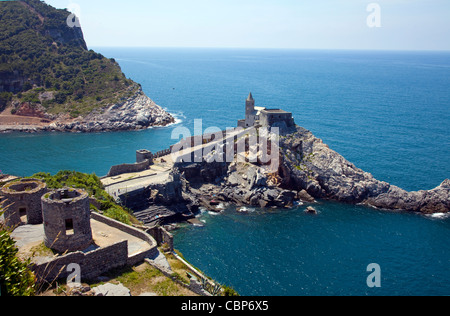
x,y
157,174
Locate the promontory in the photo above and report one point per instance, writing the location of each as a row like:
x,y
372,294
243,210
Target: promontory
x,y
51,81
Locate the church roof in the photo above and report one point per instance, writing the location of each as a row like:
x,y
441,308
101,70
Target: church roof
x,y
250,97
276,111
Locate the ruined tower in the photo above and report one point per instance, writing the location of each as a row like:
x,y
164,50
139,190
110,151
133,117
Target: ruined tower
x,y
22,202
67,224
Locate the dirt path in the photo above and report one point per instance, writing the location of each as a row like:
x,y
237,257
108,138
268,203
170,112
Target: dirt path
x,y
6,119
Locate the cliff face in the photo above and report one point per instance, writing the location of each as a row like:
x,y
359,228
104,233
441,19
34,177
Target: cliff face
x,y
46,68
325,174
309,170
136,112
28,28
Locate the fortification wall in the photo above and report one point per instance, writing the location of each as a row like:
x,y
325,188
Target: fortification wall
x,y
162,236
163,153
92,264
128,168
99,261
132,260
23,198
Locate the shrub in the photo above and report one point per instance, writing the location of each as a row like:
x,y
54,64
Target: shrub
x,y
60,98
5,97
229,291
118,214
92,184
15,277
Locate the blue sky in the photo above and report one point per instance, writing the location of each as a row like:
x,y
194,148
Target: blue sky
x,y
302,24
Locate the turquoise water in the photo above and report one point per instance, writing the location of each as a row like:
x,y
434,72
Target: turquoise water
x,y
387,112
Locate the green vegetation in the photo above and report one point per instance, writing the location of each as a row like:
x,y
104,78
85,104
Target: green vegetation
x,y
229,291
15,277
17,280
92,184
51,59
5,97
145,278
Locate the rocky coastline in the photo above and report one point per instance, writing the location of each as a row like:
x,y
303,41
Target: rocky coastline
x,y
309,171
134,113
310,164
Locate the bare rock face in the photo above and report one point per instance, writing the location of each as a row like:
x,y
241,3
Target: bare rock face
x,y
309,170
137,112
134,113
325,174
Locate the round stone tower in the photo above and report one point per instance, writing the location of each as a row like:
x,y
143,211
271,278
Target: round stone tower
x,y
67,220
22,202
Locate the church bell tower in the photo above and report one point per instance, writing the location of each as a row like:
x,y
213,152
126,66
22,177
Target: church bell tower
x,y
249,105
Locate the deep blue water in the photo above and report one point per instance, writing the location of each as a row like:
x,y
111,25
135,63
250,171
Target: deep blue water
x,y
291,253
387,112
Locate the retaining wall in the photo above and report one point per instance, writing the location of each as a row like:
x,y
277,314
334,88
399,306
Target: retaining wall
x,y
92,264
161,236
133,232
128,168
99,261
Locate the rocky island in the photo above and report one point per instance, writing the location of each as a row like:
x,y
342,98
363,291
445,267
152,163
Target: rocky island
x,y
50,81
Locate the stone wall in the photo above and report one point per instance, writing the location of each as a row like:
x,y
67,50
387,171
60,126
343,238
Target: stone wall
x,y
280,119
22,198
142,155
163,153
92,264
128,168
66,215
99,261
162,236
132,260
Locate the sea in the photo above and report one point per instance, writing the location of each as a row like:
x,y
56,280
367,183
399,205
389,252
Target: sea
x,y
388,112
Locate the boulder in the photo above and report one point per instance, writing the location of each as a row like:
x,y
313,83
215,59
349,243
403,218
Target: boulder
x,y
311,210
270,195
285,199
305,197
110,289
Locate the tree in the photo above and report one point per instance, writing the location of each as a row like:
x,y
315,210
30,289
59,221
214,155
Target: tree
x,y
5,97
60,98
27,86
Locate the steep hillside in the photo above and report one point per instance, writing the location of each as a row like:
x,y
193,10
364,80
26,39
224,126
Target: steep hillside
x,y
47,72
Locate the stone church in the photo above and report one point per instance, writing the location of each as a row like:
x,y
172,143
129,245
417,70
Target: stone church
x,y
262,117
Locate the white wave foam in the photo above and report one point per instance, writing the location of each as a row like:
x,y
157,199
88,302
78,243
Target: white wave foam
x,y
439,215
179,118
246,209
222,206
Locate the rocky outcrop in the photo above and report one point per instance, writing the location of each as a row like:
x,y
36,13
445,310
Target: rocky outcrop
x,y
433,201
137,112
240,184
325,174
134,113
308,170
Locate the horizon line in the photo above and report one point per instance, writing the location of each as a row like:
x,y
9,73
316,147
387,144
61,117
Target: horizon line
x,y
276,48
